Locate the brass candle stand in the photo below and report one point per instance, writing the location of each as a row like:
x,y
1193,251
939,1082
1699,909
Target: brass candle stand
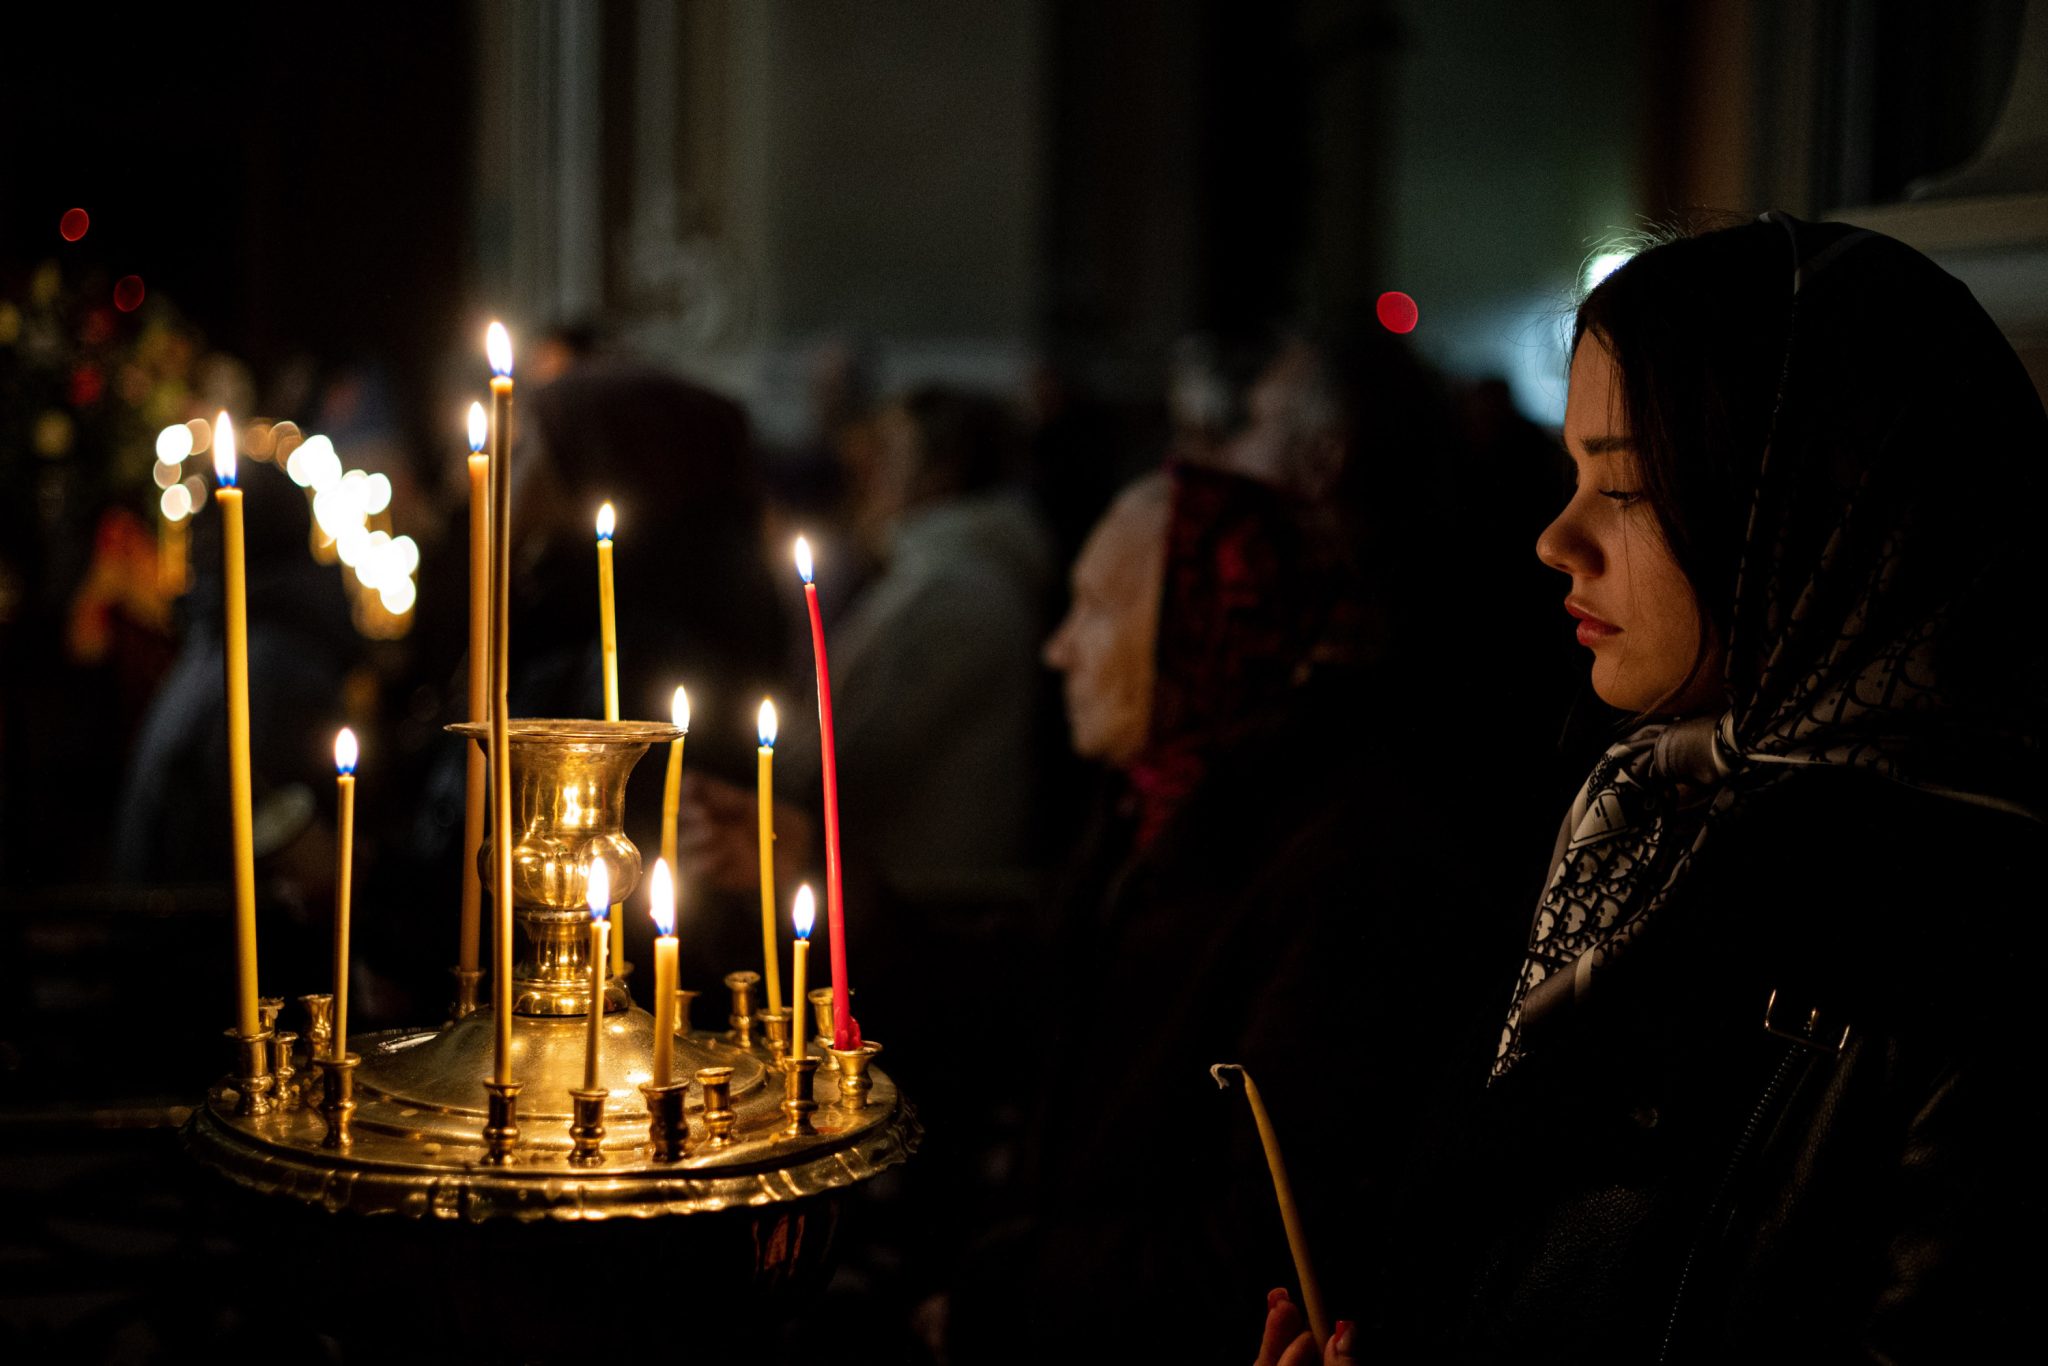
x,y
337,1098
775,1034
412,1126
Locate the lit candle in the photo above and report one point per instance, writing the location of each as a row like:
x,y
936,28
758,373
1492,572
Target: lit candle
x,y
1283,1192
479,683
241,811
608,640
607,616
764,788
600,892
672,788
662,903
845,1029
499,346
344,873
806,911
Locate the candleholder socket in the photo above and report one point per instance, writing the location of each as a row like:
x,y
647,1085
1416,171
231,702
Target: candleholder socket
x,y
775,1025
852,1065
268,1009
319,1010
337,1097
741,985
252,1077
719,1119
798,1075
668,1130
586,1126
821,1010
501,1128
467,983
684,999
285,1077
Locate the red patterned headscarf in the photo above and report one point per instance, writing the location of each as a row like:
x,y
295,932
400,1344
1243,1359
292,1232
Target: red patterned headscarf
x,y
1242,605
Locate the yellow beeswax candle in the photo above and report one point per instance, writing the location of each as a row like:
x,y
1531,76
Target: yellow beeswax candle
x,y
804,914
662,905
241,808
764,787
600,889
498,343
672,787
344,876
471,931
1283,1193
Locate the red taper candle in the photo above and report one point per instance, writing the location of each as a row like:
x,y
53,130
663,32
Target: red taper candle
x,y
845,1029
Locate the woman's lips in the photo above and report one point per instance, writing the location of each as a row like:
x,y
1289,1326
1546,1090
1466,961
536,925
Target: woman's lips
x,y
1592,630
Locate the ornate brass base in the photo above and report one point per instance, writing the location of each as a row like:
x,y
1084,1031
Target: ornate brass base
x,y
668,1132
337,1098
852,1065
586,1130
252,1075
393,1166
798,1106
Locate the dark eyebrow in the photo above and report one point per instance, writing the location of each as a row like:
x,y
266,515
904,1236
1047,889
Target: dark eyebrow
x,y
1601,445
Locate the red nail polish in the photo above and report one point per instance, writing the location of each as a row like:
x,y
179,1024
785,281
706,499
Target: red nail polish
x,y
1340,1340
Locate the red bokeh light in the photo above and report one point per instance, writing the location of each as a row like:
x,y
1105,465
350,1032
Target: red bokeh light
x,y
87,384
1397,312
73,224
128,293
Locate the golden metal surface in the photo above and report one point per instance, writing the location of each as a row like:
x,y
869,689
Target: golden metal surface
x,y
851,1065
719,1121
741,985
586,1129
775,1026
284,1077
389,1171
337,1098
798,1100
251,1078
468,983
668,1128
568,812
501,1130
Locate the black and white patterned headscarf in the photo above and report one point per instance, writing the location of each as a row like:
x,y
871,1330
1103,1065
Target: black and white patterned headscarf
x,y
1888,609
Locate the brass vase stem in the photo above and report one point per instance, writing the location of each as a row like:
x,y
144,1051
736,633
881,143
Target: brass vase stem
x,y
798,1075
501,1128
855,1085
586,1126
719,1119
252,1076
337,1098
668,1131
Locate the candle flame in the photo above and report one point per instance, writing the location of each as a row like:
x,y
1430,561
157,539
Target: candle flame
x,y
345,751
598,882
679,710
607,522
803,559
224,451
662,898
498,347
766,722
806,911
479,428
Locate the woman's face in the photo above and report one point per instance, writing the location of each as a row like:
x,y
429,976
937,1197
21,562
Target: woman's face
x,y
1105,645
1635,610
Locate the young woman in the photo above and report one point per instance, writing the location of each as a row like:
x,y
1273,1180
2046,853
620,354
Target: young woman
x,y
1762,1086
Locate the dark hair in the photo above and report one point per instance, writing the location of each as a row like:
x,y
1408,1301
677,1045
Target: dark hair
x,y
1697,326
966,442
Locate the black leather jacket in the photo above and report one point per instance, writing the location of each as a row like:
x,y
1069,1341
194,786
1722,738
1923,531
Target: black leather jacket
x,y
1668,1178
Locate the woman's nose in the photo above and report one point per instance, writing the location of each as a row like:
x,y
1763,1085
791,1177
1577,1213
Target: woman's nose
x,y
1565,547
1055,653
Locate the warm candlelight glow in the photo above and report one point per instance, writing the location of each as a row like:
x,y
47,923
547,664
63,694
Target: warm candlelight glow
x,y
806,912
345,751
174,443
607,522
662,898
598,881
479,428
803,559
679,710
224,451
498,348
176,503
765,722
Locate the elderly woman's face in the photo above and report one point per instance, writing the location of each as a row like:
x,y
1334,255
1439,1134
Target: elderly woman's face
x,y
1105,645
1635,610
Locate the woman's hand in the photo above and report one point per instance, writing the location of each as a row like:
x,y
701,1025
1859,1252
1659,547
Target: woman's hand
x,y
1288,1343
